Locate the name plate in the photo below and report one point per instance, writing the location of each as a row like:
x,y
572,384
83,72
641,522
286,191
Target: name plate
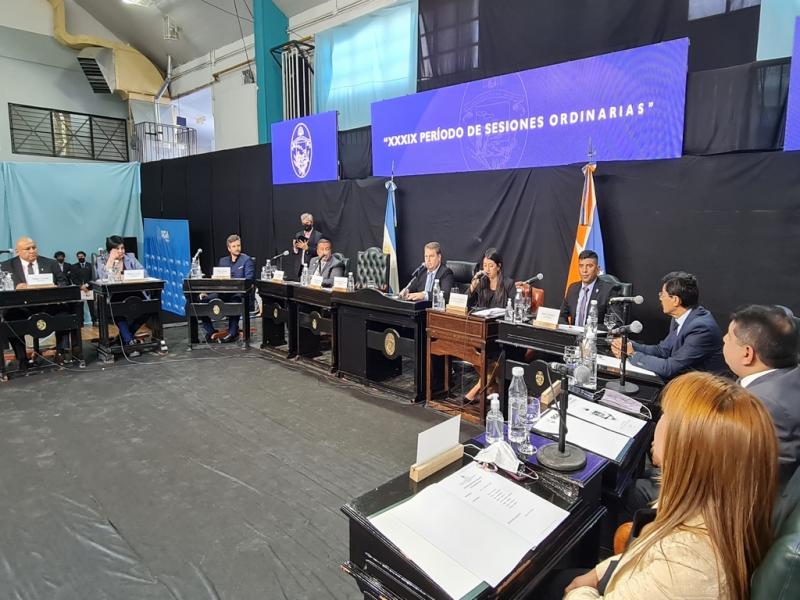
x,y
133,275
40,279
457,304
221,273
316,281
547,317
87,295
277,276
340,284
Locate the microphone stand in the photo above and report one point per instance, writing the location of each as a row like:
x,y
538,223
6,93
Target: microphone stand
x,y
562,456
622,386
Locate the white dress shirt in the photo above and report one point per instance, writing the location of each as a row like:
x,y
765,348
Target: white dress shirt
x,y
747,381
25,264
681,320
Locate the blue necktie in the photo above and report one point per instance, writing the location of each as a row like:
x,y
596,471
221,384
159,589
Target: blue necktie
x,y
582,306
429,282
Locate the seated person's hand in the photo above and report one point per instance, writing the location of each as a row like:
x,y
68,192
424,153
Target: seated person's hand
x,y
616,347
415,296
203,296
587,580
22,286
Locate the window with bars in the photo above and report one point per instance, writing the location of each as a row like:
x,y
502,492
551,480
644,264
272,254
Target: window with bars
x,y
699,9
65,134
448,37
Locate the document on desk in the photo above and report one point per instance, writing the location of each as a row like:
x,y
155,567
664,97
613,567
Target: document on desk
x,y
604,416
586,435
472,527
490,313
612,362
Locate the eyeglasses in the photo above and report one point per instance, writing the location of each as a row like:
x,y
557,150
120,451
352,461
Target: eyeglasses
x,y
662,294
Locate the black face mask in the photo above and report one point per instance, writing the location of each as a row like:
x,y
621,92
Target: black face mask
x,y
81,260
308,227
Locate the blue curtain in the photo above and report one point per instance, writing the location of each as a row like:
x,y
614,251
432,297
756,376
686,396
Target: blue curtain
x,y
69,207
369,59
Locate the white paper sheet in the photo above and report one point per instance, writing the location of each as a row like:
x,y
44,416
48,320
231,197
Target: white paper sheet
x,y
490,313
612,362
604,416
505,519
585,435
439,438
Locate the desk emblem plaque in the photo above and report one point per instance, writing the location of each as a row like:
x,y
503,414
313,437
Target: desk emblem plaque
x,y
41,324
390,343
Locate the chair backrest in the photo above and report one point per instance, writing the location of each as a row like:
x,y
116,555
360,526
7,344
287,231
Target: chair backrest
x,y
373,264
344,259
625,289
778,575
463,270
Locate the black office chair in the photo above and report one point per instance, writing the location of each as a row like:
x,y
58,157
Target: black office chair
x,y
463,270
373,265
344,259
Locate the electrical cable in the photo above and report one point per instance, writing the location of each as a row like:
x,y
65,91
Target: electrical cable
x,y
226,11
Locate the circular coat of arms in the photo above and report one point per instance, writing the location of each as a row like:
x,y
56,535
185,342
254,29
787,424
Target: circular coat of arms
x,y
275,313
216,310
300,149
390,343
41,324
539,378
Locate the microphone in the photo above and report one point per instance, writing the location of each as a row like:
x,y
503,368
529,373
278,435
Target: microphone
x,y
7,251
537,277
277,256
196,254
479,274
581,373
635,327
623,299
418,270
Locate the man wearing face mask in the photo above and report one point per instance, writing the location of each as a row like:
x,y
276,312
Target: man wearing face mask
x,y
65,267
325,263
81,275
304,243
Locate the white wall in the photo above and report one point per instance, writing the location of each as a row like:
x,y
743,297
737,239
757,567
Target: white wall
x,y
235,112
38,71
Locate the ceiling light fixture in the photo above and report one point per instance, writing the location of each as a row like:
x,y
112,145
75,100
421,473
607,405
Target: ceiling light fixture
x,y
145,3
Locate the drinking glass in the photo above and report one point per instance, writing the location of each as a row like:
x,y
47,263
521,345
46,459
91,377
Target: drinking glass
x,y
610,320
572,358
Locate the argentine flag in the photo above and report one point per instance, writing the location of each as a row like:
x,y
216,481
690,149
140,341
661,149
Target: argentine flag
x,y
389,237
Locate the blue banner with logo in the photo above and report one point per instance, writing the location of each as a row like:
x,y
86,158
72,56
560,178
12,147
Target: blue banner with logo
x,y
167,256
791,140
626,105
305,149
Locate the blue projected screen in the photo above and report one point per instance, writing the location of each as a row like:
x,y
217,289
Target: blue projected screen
x,y
626,105
305,149
791,141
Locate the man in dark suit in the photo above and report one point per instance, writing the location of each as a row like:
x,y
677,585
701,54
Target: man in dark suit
x,y
427,273
305,242
63,266
27,262
760,347
694,342
81,275
325,263
580,294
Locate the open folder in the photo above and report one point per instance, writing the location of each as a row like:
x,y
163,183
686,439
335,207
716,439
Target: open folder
x,y
504,520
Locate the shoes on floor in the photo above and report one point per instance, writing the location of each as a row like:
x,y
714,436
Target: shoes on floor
x,y
229,339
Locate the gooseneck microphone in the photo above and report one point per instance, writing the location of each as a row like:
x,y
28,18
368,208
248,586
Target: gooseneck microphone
x,y
626,299
581,373
537,277
635,327
561,456
280,255
196,254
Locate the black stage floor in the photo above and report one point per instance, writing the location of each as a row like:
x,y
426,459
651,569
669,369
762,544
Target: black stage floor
x,y
198,475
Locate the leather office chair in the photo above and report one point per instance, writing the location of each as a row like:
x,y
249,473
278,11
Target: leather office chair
x,y
778,575
463,270
345,260
536,295
373,264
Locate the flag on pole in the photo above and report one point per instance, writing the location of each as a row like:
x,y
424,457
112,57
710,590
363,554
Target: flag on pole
x,y
589,235
389,237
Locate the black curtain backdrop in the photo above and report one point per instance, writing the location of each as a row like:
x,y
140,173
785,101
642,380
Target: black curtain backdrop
x,y
220,193
733,220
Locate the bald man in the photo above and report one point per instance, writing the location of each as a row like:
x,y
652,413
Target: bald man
x,y
28,262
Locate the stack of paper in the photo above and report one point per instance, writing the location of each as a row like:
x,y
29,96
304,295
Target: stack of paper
x,y
584,434
611,362
472,527
604,416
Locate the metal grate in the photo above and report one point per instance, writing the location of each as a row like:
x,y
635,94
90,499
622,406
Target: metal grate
x,y
64,134
154,141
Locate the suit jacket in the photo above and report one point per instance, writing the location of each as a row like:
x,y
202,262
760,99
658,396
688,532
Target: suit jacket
x,y
602,292
81,275
780,393
46,265
682,565
313,240
446,281
67,271
698,347
129,263
333,268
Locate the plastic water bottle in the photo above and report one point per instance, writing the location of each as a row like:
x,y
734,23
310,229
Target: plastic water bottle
x,y
517,407
351,282
519,309
437,298
268,270
304,276
509,311
494,421
589,346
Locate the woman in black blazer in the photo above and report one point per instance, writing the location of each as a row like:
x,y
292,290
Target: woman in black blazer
x,y
489,288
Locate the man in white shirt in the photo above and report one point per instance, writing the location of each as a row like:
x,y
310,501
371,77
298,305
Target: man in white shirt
x,y
761,348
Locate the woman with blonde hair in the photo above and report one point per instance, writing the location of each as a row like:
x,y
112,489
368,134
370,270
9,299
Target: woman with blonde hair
x,y
717,448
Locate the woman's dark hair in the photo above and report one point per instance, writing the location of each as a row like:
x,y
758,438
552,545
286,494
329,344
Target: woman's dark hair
x,y
493,255
114,241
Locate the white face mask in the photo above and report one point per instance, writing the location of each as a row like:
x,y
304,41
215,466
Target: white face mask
x,y
500,454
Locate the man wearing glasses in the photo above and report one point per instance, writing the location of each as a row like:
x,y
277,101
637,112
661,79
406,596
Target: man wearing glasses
x,y
694,342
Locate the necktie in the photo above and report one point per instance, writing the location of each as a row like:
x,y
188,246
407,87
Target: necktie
x,y
429,282
30,269
319,267
674,328
582,308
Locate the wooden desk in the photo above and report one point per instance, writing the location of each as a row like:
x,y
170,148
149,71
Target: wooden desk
x,y
468,338
231,297
315,325
278,317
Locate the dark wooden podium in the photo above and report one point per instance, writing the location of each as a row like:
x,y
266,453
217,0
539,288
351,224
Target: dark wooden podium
x,y
468,338
39,312
375,334
315,326
131,300
278,317
231,298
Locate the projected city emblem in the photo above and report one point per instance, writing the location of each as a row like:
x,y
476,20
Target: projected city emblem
x,y
300,150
